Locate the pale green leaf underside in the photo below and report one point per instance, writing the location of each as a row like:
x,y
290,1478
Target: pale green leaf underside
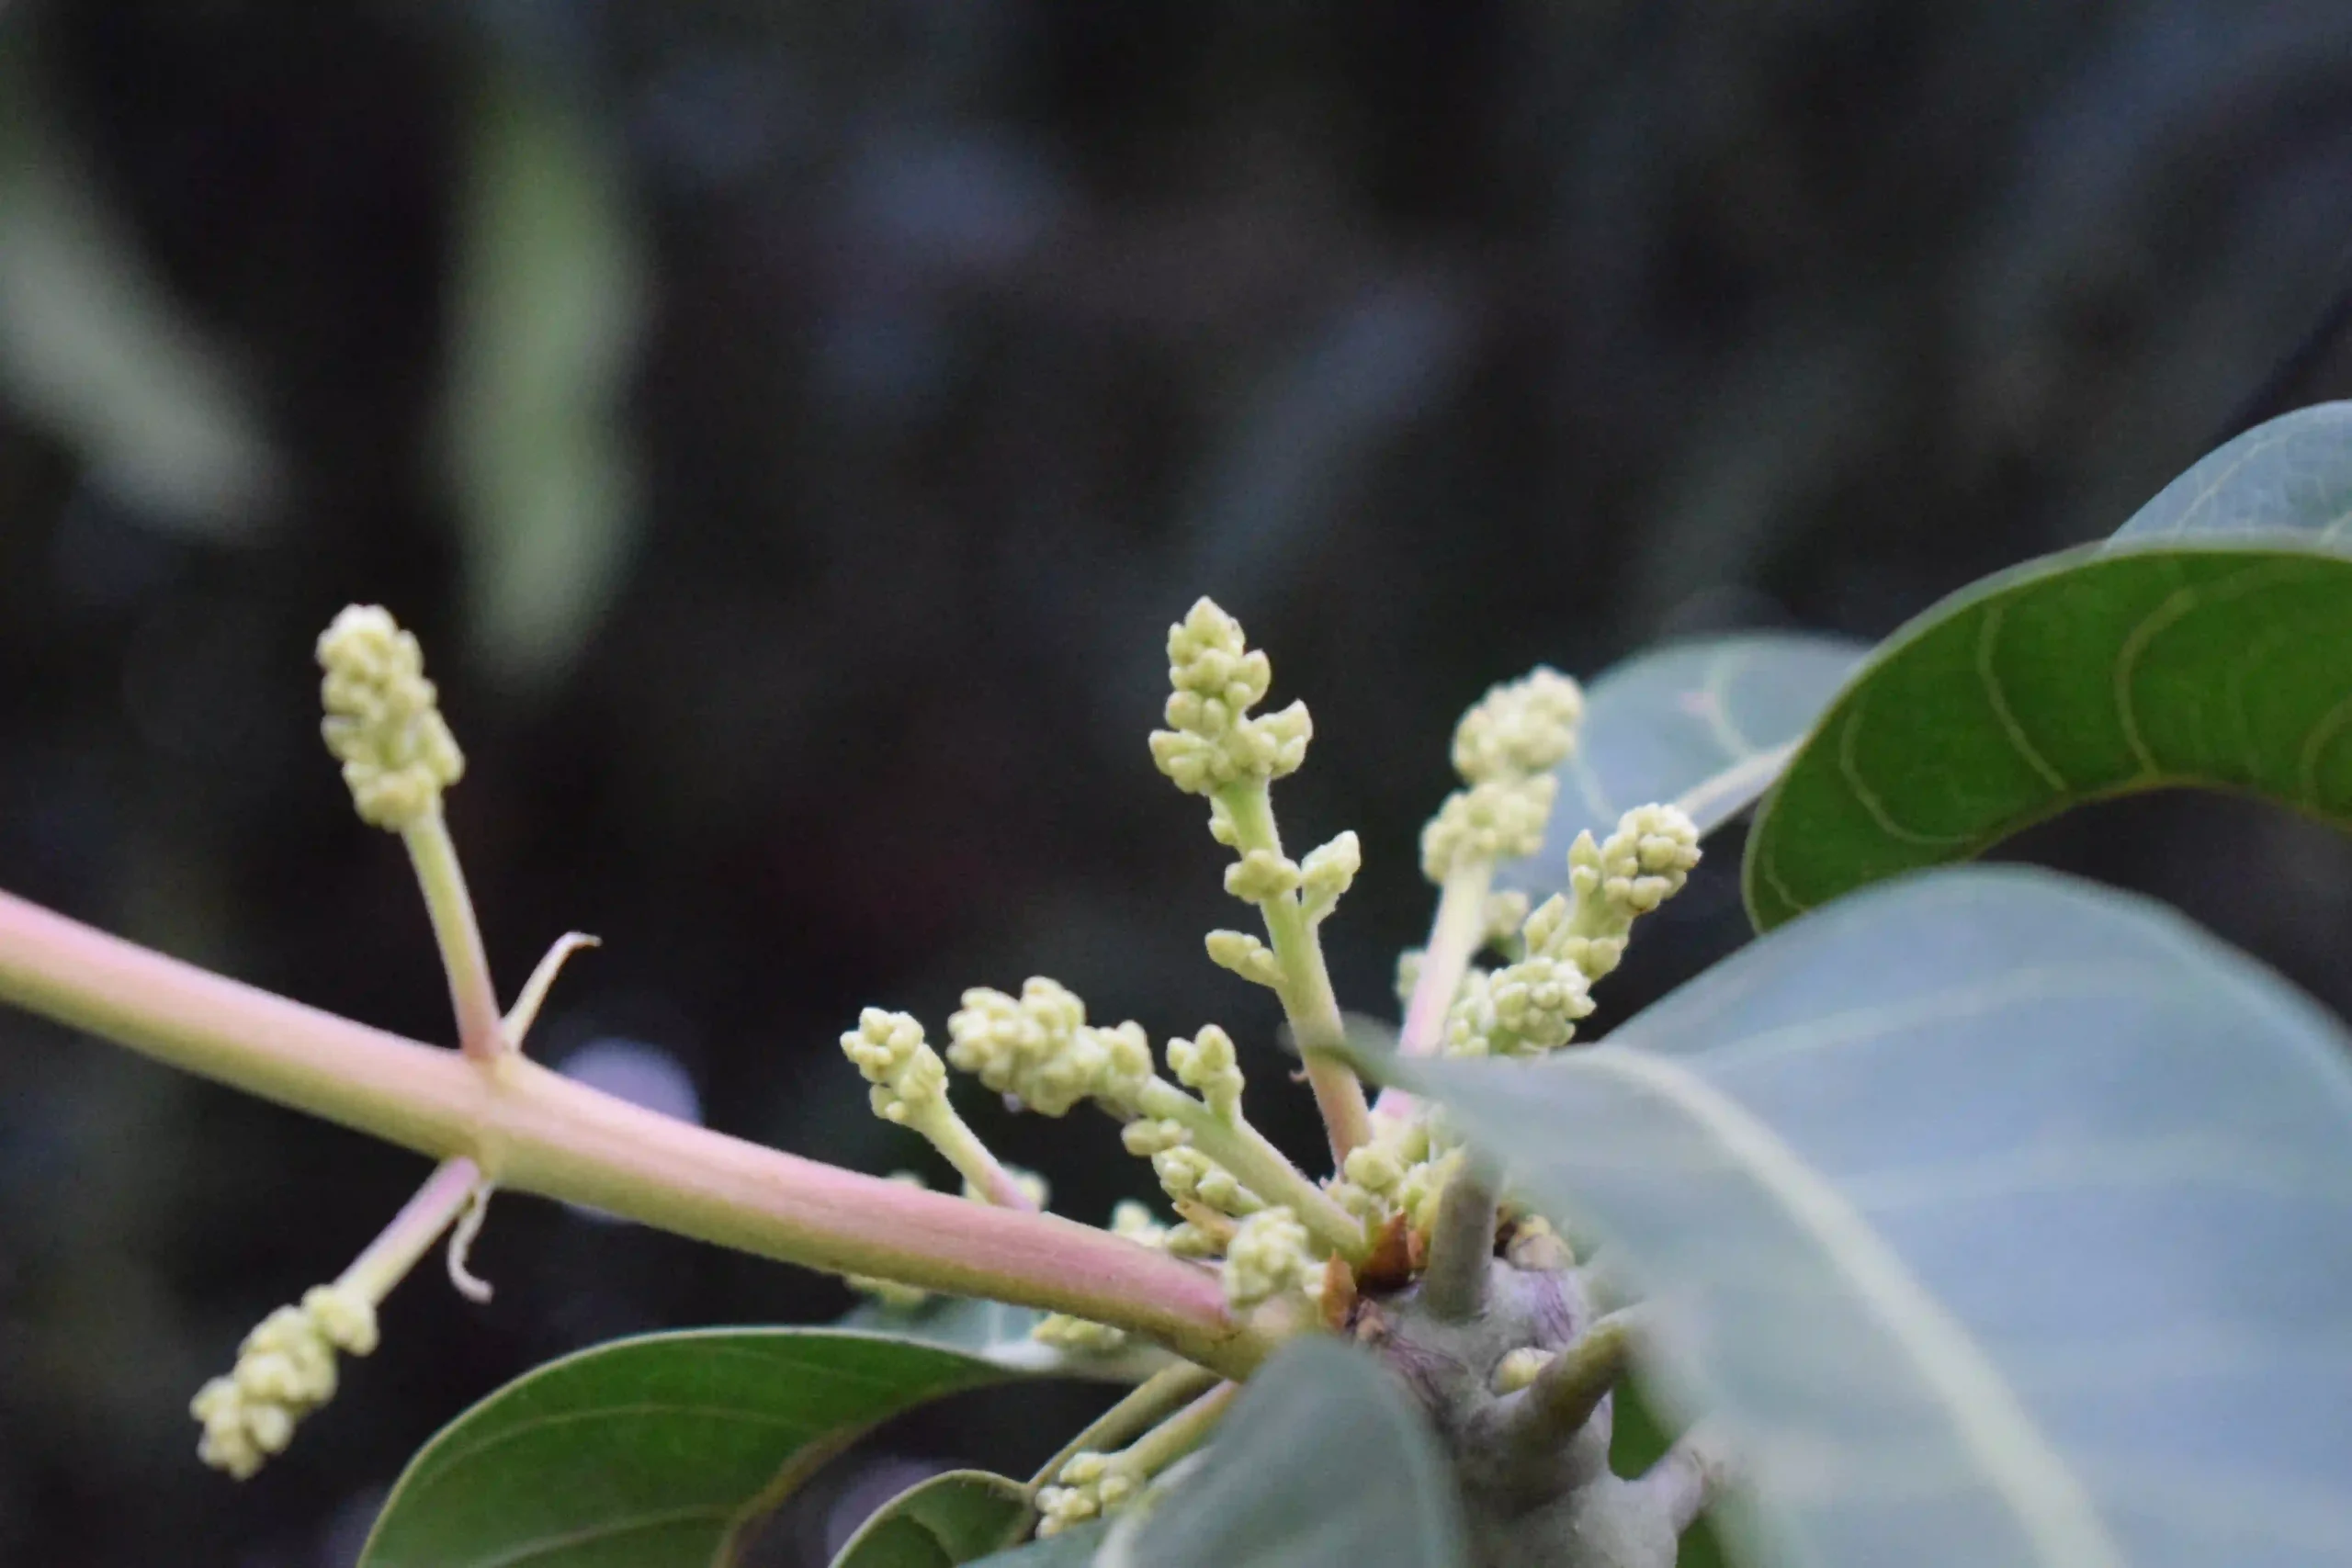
x,y
2209,643
1700,722
2006,1220
948,1519
650,1452
1323,1462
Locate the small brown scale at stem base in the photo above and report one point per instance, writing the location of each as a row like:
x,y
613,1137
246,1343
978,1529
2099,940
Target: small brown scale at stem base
x,y
1533,1460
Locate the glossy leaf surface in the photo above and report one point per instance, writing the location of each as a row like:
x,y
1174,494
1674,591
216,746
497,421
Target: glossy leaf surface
x,y
2208,645
1698,722
2001,1218
652,1452
941,1522
1324,1461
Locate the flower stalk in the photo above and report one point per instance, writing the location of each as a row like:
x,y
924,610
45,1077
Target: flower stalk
x,y
529,1129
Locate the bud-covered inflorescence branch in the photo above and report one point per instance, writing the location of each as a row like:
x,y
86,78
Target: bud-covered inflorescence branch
x,y
1214,747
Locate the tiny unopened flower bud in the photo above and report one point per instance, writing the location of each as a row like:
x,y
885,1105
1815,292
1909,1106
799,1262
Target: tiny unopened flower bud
x,y
1134,1222
1497,819
1505,913
1519,727
1215,680
1267,1256
1327,872
286,1369
383,722
1520,1368
1078,1337
908,1077
1208,1064
1245,956
1189,1176
1539,1000
1261,877
1147,1138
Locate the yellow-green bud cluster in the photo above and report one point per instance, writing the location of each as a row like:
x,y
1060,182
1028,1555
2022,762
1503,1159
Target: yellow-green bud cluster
x,y
1211,741
1328,871
1504,749
910,1080
1402,1170
1527,725
383,720
1040,1049
1573,940
1188,1176
1267,1255
1088,1485
1497,819
1246,957
1208,1066
286,1369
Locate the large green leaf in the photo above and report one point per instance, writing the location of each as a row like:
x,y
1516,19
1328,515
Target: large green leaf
x,y
1324,1461
1702,722
999,1334
652,1452
2209,643
1071,1549
2001,1219
939,1523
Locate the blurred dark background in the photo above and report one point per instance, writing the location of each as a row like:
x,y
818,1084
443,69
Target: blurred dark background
x,y
791,428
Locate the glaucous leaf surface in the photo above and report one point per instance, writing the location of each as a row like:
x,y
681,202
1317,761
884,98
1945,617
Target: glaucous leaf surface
x,y
1325,1461
1701,722
999,1334
2209,643
1071,1549
2000,1218
947,1519
652,1452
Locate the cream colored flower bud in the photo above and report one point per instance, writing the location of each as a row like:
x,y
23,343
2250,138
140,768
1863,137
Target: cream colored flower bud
x,y
1189,1176
1267,1256
1246,957
908,1077
1504,913
1538,1002
1261,877
1211,741
1523,727
1327,872
1497,819
1078,1337
382,720
1208,1064
286,1369
1137,1224
1520,1368
1147,1138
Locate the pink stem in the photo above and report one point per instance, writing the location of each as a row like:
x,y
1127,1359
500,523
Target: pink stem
x,y
529,1129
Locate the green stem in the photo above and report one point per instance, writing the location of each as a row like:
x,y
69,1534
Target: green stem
x,y
528,1128
431,850
1307,999
1178,1435
1150,1401
1259,1165
962,1148
413,1230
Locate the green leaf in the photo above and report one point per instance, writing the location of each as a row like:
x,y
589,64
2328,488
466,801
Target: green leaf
x,y
938,1523
1999,1218
1701,720
652,1452
1324,1461
999,1334
2208,645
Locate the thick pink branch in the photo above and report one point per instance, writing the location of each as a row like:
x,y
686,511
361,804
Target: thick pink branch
x,y
531,1129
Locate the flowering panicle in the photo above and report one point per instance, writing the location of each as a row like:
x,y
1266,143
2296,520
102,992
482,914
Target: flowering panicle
x,y
383,722
1504,749
1211,741
1572,940
286,1369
